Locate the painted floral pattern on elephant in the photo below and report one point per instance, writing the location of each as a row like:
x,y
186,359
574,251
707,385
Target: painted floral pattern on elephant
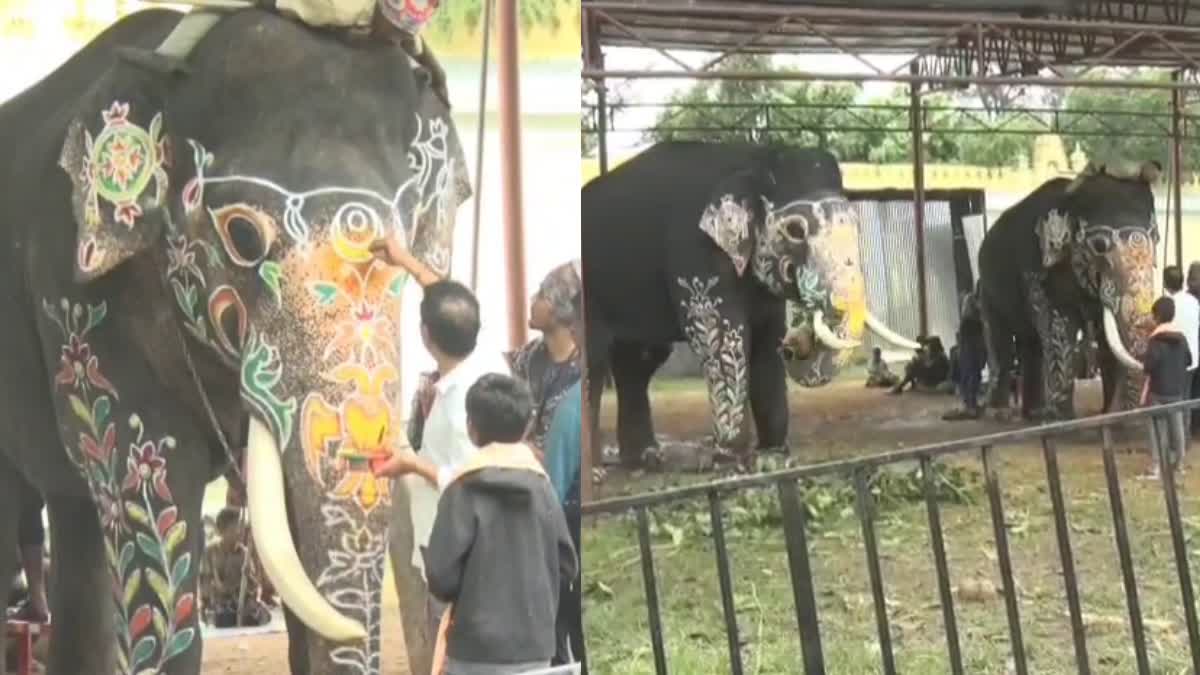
x,y
155,617
721,348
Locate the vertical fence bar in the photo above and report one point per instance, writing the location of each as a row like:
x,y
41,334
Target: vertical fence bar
x,y
1005,561
1127,576
731,625
1070,582
656,636
802,581
938,546
867,517
1166,468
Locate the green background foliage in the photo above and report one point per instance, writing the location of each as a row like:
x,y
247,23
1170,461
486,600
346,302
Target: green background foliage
x,y
953,140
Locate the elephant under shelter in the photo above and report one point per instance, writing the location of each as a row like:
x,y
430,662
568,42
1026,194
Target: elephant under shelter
x,y
189,243
710,241
706,242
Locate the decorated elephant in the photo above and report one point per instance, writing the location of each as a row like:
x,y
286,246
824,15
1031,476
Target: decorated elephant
x,y
1074,257
705,242
190,243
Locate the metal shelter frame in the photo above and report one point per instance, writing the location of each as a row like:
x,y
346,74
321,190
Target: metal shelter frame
x,y
977,42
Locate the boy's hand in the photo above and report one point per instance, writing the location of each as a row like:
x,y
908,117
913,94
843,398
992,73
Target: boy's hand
x,y
400,463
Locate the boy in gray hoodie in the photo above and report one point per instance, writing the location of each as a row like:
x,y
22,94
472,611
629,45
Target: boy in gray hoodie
x,y
500,547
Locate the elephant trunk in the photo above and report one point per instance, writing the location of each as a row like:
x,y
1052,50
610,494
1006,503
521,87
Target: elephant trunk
x,y
273,540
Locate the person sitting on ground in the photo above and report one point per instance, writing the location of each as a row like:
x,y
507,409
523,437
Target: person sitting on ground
x,y
500,547
929,367
878,373
227,563
1165,364
972,357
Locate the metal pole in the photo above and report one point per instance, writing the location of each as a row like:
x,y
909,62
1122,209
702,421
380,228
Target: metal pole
x,y
510,158
480,135
602,121
918,146
1177,165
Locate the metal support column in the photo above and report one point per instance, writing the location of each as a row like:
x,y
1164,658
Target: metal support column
x,y
602,120
1177,165
508,67
918,153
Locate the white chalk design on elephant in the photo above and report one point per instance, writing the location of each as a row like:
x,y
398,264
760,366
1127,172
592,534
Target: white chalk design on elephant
x,y
728,224
353,582
1057,334
1054,231
721,348
428,197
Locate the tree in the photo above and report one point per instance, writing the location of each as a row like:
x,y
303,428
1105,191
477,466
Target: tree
x,y
467,14
1133,126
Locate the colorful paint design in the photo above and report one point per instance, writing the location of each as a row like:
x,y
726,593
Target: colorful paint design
x,y
144,537
120,163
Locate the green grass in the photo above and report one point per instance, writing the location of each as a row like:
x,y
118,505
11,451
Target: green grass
x,y
616,618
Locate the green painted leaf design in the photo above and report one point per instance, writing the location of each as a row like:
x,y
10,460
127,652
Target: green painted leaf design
x,y
186,297
101,409
122,661
132,584
176,534
126,556
325,292
137,514
143,650
81,411
111,554
261,373
160,623
179,643
149,547
396,288
180,571
160,586
96,314
271,273
215,260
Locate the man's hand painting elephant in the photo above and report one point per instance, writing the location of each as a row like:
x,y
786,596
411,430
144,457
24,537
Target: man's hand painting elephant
x,y
705,242
1075,255
190,244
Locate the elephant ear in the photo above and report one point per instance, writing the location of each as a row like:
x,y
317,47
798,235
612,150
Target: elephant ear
x,y
1054,236
438,186
730,219
117,157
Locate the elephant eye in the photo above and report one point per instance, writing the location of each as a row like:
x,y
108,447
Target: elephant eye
x,y
1100,244
246,233
794,228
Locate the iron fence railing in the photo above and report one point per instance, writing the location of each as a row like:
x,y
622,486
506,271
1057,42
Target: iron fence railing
x,y
798,553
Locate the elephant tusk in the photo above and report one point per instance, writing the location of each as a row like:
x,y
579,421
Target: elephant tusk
x,y
827,337
881,329
1113,337
273,539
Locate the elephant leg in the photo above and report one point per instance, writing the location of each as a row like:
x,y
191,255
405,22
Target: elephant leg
x,y
999,341
1031,378
717,333
1058,371
81,592
1110,375
768,387
12,485
633,364
599,356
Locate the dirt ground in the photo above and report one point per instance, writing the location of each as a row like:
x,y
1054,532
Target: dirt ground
x,y
267,654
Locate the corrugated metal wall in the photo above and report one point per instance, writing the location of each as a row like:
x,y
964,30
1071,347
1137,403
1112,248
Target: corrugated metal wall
x,y
888,241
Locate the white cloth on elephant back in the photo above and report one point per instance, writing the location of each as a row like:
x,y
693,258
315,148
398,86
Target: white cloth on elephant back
x,y
445,441
407,15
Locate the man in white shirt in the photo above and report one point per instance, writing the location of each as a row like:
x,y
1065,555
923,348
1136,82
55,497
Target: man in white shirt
x,y
449,330
1187,319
